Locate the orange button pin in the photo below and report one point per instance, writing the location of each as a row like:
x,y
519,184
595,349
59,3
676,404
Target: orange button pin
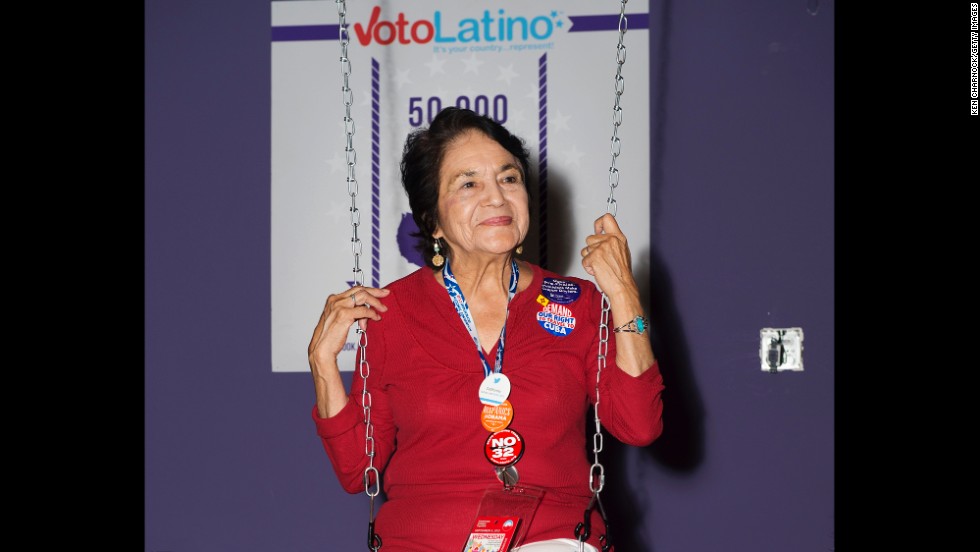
x,y
497,417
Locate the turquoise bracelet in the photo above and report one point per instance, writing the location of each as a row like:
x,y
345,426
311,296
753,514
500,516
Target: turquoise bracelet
x,y
637,325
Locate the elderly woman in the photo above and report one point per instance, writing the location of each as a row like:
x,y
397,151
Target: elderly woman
x,y
454,416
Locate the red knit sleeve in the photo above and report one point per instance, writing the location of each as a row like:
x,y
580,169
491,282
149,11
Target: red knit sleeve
x,y
630,407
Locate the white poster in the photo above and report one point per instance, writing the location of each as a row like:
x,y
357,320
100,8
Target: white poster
x,y
545,70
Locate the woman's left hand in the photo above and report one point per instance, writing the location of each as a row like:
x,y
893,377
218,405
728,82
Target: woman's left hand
x,y
606,257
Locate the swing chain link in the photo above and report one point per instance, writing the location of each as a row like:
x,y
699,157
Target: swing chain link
x,y
372,477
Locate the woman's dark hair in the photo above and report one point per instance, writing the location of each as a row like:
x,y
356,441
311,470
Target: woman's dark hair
x,y
422,156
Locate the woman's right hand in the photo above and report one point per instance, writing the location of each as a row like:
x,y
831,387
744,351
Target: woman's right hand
x,y
358,304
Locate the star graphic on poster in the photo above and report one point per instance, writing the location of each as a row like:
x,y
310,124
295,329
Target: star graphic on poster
x,y
507,73
473,64
573,156
560,121
435,65
401,79
532,92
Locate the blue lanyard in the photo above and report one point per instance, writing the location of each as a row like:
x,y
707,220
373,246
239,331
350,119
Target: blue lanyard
x,y
456,295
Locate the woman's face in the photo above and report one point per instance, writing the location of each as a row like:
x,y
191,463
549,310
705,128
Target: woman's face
x,y
483,204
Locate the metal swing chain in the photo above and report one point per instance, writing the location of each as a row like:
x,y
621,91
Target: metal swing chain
x,y
597,473
372,478
615,145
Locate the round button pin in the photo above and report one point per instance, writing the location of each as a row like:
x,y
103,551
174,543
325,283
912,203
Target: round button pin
x,y
495,389
497,417
504,447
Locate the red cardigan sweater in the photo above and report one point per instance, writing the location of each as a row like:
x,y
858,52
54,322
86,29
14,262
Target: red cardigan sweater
x,y
424,382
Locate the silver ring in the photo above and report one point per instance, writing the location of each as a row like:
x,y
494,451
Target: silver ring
x,y
352,298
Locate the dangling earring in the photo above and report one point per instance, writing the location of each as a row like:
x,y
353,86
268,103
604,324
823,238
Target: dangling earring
x,y
520,249
437,259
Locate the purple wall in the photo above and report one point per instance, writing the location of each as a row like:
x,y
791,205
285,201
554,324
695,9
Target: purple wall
x,y
742,223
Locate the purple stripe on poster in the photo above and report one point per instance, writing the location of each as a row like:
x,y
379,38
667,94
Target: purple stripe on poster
x,y
287,33
608,22
543,160
375,173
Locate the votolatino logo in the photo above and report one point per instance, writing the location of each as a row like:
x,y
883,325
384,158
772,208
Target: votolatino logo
x,y
501,27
